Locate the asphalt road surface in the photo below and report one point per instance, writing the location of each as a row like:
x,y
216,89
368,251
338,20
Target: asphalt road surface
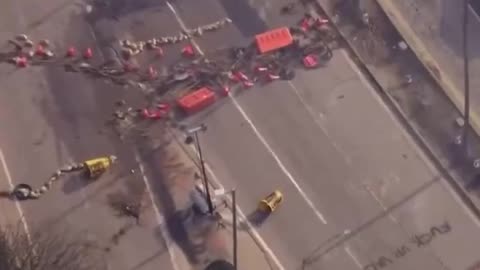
x,y
50,118
356,189
338,155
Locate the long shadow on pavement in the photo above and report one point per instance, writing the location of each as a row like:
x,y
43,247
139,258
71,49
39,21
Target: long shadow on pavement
x,y
174,217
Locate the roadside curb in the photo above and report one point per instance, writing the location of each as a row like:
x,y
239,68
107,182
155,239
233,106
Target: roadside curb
x,y
395,107
429,62
272,261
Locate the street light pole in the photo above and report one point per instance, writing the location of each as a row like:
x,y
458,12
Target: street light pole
x,y
466,108
234,212
194,131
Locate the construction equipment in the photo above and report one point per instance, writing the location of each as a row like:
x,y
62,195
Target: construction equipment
x,y
270,203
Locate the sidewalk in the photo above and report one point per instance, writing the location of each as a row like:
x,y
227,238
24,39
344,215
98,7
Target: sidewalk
x,y
202,239
433,29
424,109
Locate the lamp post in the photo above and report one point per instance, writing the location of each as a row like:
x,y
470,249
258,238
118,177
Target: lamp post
x,y
234,213
466,102
194,131
222,192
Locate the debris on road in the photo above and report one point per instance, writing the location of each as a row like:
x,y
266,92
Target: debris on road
x,y
194,82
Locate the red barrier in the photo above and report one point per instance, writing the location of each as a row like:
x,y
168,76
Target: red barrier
x,y
197,100
274,39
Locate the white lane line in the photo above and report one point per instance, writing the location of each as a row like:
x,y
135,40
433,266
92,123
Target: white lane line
x,y
23,220
160,219
253,232
279,162
354,258
259,135
250,228
319,123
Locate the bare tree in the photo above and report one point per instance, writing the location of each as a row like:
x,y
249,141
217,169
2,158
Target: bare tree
x,y
46,251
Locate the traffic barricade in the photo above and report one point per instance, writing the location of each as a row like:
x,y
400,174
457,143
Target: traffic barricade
x,y
274,39
197,100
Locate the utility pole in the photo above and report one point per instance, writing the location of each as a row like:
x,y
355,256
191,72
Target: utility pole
x,y
189,140
466,77
234,212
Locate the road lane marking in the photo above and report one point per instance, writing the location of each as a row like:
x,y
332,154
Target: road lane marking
x,y
253,232
23,220
317,121
160,219
354,258
262,139
250,228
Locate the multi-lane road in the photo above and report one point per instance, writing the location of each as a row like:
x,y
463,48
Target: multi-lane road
x,y
356,187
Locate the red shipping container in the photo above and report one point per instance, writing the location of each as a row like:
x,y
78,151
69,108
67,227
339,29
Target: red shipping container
x,y
274,39
197,100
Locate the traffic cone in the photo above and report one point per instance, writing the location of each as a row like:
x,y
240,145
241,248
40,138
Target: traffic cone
x,y
71,52
305,24
20,61
40,50
188,51
88,53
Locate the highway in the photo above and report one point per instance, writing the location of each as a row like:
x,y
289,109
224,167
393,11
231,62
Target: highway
x,y
356,187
